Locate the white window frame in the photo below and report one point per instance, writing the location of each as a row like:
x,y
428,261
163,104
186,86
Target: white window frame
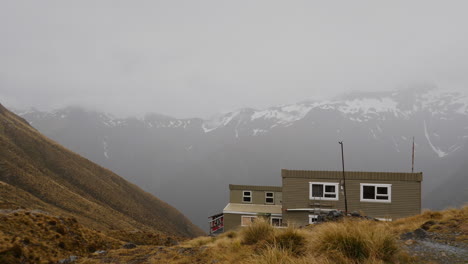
x,y
313,217
385,219
247,216
244,196
336,184
273,197
276,217
375,185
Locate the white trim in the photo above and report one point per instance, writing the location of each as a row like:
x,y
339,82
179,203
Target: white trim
x,y
272,197
309,209
336,184
245,196
246,216
386,185
249,213
384,219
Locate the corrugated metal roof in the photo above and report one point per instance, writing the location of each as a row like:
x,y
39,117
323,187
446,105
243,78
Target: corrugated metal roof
x,y
253,208
352,175
255,188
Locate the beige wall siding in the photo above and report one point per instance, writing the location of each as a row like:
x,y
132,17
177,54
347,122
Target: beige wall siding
x,y
406,199
231,222
258,197
296,219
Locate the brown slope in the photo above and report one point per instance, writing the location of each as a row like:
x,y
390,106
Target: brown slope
x,y
67,183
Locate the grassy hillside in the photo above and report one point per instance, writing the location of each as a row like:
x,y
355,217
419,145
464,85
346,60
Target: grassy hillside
x,y
37,173
432,237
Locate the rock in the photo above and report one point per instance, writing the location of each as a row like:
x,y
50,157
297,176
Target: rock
x,y
428,225
100,252
171,242
407,235
68,260
409,242
335,214
443,254
420,233
355,214
129,246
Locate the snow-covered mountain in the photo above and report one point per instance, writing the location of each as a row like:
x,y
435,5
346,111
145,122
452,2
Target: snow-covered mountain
x,y
189,162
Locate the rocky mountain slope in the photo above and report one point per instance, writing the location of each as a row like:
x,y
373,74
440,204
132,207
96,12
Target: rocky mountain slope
x,y
190,162
37,173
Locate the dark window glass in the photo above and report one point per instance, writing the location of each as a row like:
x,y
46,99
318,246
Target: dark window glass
x,y
317,190
246,193
247,199
382,197
330,195
269,194
382,190
269,200
329,188
276,222
368,192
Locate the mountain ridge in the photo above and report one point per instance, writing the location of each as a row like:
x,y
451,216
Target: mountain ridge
x,y
250,146
69,184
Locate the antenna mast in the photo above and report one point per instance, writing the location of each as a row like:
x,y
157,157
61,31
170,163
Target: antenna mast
x,y
412,160
344,179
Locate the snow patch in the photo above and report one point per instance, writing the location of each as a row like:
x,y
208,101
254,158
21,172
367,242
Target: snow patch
x,y
217,122
257,132
438,151
284,114
367,106
104,144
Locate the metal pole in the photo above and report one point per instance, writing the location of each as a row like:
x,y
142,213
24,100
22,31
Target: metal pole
x,y
344,179
412,159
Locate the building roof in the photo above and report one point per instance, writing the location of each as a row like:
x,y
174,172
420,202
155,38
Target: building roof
x,y
255,188
252,208
352,175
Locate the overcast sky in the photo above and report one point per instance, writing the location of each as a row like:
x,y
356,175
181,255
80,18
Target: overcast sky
x,y
197,58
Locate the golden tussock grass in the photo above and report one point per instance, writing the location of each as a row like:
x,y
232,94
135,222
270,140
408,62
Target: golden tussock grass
x,y
345,242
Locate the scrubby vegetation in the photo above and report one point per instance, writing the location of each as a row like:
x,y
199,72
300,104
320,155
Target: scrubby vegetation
x,y
350,241
36,237
36,172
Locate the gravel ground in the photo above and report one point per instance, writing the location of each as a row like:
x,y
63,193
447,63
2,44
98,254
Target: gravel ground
x,y
435,247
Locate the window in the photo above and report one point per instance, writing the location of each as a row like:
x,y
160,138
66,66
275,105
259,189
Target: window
x,y
247,196
269,197
324,191
371,192
247,220
276,221
313,219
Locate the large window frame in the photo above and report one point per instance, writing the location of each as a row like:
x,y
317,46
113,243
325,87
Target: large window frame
x,y
272,197
378,192
279,221
245,195
324,191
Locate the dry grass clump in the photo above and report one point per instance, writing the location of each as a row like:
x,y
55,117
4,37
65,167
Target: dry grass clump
x,y
199,241
260,230
447,221
355,240
32,237
291,240
275,255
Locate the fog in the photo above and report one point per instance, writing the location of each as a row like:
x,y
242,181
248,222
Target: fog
x,y
197,58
